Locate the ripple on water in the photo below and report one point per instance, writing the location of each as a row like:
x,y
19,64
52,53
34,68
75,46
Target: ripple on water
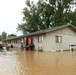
x,y
37,63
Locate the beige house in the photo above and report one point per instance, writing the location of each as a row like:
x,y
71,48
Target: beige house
x,y
58,38
14,40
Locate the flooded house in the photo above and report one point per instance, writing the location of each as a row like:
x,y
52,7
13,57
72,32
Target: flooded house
x,y
13,40
54,39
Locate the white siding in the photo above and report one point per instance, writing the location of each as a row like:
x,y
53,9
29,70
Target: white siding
x,y
49,43
39,45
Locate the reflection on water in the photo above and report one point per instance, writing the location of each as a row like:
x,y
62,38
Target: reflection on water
x,y
37,63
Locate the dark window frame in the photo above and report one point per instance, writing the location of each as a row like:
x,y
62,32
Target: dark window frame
x,y
58,39
40,39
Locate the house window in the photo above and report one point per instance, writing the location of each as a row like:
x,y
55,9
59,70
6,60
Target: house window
x,y
40,39
58,39
16,41
10,42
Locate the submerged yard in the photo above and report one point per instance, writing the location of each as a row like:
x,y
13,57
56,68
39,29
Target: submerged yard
x,y
19,62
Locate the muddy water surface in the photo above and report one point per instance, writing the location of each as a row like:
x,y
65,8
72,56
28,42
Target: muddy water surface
x,y
19,62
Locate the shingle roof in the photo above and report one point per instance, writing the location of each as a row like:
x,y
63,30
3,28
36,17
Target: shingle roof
x,y
43,31
50,30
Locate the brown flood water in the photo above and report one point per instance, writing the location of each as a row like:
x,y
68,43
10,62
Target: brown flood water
x,y
37,63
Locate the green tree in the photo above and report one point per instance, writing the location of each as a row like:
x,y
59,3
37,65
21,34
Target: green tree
x,y
44,14
30,19
70,17
0,38
61,9
4,35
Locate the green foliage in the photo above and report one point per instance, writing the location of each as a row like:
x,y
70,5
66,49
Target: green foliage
x,y
28,2
12,35
30,19
61,8
70,17
0,38
4,35
46,14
